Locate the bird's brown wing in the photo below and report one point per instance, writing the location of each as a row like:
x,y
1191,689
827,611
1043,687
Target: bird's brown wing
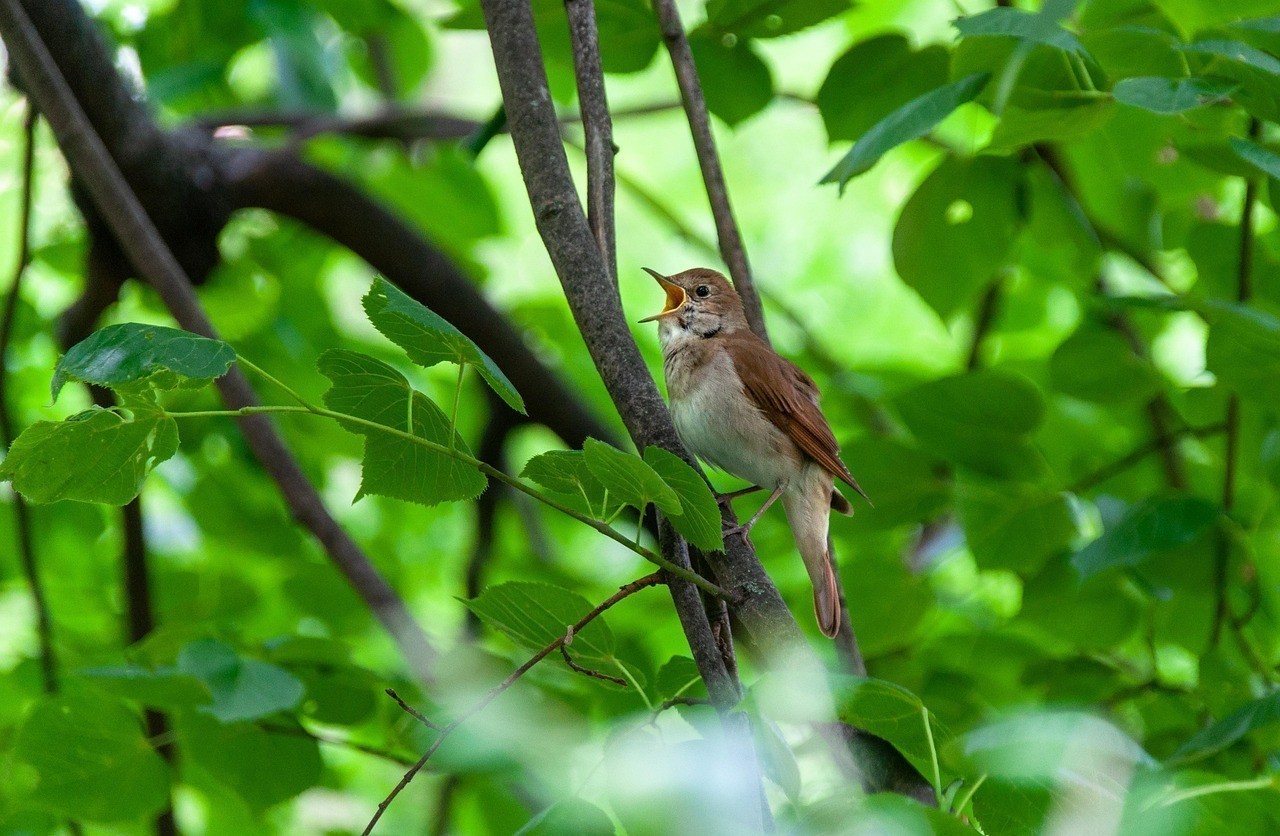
x,y
789,398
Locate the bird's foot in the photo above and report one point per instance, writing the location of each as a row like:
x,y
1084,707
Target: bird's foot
x,y
743,531
725,500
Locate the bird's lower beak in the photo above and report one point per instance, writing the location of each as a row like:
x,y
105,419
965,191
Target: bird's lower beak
x,y
675,295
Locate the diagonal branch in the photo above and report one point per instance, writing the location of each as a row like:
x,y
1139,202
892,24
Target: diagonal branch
x,y
732,249
143,244
496,691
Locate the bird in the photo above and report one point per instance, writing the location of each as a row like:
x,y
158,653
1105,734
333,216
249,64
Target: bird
x,y
741,407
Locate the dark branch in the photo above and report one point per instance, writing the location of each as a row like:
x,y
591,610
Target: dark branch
x,y
411,711
1133,458
496,691
21,513
597,126
695,107
149,254
594,674
984,320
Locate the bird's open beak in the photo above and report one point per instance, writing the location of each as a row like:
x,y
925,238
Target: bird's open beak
x,y
675,295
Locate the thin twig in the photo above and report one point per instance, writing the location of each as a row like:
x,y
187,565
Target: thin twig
x,y
365,748
984,320
411,711
732,249
21,513
597,127
497,690
97,172
594,674
1244,291
1134,457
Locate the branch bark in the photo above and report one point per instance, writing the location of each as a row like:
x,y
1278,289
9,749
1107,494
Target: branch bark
x,y
146,249
597,126
732,250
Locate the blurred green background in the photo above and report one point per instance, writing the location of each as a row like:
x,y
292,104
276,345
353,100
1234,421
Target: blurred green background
x,y
1062,564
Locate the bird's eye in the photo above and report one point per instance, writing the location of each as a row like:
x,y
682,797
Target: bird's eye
x,y
703,290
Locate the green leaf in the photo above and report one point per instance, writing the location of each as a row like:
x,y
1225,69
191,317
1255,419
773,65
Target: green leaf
x,y
1238,52
875,78
1040,746
635,483
1036,27
979,420
429,340
99,455
565,474
1146,529
678,678
535,614
888,711
769,18
958,230
160,688
1099,365
242,689
569,815
1264,711
735,80
1171,95
262,767
1013,526
93,761
1021,126
699,517
165,358
911,121
776,756
394,466
1263,159
1243,350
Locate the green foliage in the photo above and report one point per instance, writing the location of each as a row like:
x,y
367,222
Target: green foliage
x,y
535,614
393,465
163,358
698,519
629,477
1145,530
242,689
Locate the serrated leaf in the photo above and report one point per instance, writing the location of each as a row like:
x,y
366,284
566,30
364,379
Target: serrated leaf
x,y
242,689
394,466
99,455
874,78
699,517
1261,712
1147,528
911,121
1171,95
93,761
428,339
565,474
535,614
1238,52
165,358
635,483
889,711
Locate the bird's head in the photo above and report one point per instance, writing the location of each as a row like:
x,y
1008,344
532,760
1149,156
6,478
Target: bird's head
x,y
700,303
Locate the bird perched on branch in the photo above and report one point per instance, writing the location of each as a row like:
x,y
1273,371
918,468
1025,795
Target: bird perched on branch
x,y
744,409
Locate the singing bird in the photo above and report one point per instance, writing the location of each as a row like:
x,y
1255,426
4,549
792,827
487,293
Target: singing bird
x,y
741,407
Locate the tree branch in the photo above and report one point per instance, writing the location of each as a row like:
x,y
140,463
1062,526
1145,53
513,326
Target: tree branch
x,y
496,691
695,107
21,513
597,126
146,249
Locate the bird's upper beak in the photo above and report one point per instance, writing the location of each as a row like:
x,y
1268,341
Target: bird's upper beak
x,y
675,295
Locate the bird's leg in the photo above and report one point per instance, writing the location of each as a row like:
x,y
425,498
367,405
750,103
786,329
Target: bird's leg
x,y
745,530
725,500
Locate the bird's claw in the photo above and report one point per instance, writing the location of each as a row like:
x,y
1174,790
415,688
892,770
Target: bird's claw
x,y
744,531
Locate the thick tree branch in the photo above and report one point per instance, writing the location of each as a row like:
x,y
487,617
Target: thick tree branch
x,y
141,241
695,107
597,126
21,513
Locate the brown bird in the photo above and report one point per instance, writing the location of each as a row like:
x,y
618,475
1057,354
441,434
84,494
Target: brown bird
x,y
744,409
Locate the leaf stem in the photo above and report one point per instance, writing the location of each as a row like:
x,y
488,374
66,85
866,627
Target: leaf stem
x,y
933,755
485,468
265,375
967,798
457,397
1266,782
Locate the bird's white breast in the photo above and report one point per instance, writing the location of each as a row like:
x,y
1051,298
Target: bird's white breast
x,y
715,419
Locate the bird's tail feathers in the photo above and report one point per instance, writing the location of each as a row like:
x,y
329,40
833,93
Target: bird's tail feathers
x,y
808,505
